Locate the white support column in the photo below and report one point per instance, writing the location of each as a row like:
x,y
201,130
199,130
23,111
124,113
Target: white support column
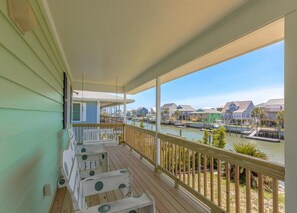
x,y
158,119
125,108
290,110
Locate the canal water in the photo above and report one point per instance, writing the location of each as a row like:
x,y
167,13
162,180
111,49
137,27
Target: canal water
x,y
274,151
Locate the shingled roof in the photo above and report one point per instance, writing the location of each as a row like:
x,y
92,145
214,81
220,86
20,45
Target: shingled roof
x,y
168,105
242,106
185,108
279,101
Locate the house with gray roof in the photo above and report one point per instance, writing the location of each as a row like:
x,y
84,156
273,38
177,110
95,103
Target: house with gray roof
x,y
238,110
185,111
142,111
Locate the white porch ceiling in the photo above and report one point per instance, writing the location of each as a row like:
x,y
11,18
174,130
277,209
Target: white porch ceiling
x,y
109,39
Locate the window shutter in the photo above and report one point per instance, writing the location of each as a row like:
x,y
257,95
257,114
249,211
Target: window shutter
x,y
84,112
65,103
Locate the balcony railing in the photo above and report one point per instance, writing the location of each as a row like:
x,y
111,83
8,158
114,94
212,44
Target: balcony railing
x,y
79,128
225,181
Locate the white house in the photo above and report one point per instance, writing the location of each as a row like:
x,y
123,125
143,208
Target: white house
x,y
168,110
272,107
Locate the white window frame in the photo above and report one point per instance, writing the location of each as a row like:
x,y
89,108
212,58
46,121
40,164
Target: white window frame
x,y
82,110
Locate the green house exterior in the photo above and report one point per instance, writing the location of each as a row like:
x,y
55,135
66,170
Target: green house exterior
x,y
208,116
214,117
31,111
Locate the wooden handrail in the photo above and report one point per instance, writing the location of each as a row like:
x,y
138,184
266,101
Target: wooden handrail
x,y
139,129
97,125
202,169
274,170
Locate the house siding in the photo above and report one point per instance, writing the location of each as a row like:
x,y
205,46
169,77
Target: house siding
x,y
31,106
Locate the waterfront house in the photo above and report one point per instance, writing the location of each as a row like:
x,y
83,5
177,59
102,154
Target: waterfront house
x,y
141,112
238,111
167,111
88,106
273,107
50,46
208,116
184,111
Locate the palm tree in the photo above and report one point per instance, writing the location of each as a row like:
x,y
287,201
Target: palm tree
x,y
177,114
250,150
280,118
257,114
165,113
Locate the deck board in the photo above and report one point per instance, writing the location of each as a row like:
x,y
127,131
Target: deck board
x,y
167,198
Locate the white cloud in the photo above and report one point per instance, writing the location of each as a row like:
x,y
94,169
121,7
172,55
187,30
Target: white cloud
x,y
257,95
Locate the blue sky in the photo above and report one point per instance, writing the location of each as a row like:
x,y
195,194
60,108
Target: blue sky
x,y
256,76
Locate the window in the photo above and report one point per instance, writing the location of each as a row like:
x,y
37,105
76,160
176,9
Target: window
x,y
79,112
233,107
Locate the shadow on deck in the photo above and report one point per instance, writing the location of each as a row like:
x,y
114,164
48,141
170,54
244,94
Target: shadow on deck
x,y
167,198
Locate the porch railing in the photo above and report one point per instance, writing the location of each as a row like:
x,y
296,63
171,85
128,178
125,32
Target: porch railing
x,y
142,141
225,181
79,128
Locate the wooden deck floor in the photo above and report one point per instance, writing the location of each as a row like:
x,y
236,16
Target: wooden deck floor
x,y
167,198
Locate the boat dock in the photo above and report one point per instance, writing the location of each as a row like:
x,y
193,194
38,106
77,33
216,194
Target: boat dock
x,y
275,140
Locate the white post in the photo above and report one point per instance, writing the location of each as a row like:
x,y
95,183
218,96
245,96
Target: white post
x,y
158,119
125,108
290,111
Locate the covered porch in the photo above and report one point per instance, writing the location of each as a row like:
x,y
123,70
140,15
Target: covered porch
x,y
48,48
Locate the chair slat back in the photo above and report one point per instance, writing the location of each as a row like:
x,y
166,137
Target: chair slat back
x,y
73,143
70,172
70,133
76,189
67,164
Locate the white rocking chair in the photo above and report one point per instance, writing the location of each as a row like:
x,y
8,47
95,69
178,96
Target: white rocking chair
x,y
92,160
105,182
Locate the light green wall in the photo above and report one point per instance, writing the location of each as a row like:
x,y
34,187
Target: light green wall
x,y
31,136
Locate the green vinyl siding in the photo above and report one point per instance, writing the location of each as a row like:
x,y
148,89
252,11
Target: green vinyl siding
x,y
31,106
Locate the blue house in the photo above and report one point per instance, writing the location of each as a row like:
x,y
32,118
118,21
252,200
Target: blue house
x,y
142,111
87,106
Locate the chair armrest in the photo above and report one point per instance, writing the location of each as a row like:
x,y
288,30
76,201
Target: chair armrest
x,y
142,203
83,157
108,181
95,148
